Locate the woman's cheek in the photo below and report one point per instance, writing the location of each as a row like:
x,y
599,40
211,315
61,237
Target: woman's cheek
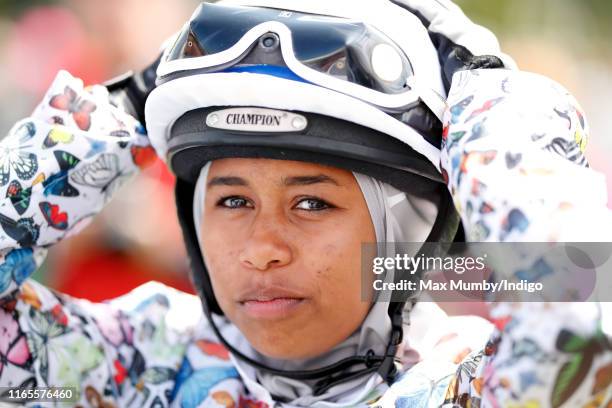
x,y
334,270
219,263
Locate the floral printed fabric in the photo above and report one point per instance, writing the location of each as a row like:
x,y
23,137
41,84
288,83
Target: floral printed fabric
x,y
506,133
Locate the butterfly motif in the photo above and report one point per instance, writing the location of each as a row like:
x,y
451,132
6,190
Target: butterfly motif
x,y
477,131
57,135
55,218
94,398
14,157
68,358
516,220
123,136
512,160
136,368
28,384
143,156
468,367
23,132
18,265
120,371
478,187
152,376
56,120
113,324
13,344
582,352
141,130
528,379
213,349
251,403
20,197
486,208
538,270
457,109
57,184
28,295
480,231
581,140
155,299
157,375
80,108
24,231
103,174
487,106
193,386
455,137
559,146
96,146
59,315
475,159
505,86
224,399
527,348
564,115
72,359
43,328
603,378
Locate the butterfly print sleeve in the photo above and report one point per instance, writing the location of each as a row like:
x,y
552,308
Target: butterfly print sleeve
x,y
58,168
513,158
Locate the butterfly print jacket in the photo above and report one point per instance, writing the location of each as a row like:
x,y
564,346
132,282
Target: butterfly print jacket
x,y
513,159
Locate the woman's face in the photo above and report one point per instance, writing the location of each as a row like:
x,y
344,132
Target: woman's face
x,y
282,243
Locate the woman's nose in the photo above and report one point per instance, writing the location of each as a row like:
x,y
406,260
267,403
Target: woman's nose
x,y
265,249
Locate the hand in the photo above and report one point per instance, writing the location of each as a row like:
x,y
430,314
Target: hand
x,y
130,90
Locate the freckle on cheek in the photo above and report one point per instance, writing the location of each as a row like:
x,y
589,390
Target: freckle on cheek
x,y
330,249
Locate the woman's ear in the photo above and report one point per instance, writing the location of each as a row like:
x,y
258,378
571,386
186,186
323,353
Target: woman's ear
x,y
461,44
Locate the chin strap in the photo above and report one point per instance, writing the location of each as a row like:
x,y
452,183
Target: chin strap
x,y
338,372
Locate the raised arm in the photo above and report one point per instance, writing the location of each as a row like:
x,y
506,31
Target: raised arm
x,y
513,157
58,168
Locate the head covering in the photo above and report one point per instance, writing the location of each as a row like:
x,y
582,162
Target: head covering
x,y
397,217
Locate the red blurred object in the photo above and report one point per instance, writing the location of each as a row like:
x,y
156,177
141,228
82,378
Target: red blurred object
x,y
47,39
102,274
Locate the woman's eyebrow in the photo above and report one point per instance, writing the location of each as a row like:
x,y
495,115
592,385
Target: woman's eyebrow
x,y
227,181
307,180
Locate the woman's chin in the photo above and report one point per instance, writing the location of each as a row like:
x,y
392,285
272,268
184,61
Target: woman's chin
x,y
281,342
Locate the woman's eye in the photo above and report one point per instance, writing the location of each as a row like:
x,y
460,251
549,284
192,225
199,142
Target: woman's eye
x,y
312,204
234,202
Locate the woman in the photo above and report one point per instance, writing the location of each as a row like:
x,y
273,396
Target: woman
x,y
296,136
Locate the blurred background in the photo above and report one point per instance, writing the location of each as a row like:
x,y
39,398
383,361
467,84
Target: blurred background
x,y
137,238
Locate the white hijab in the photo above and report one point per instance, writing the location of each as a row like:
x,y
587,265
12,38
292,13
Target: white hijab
x,y
397,217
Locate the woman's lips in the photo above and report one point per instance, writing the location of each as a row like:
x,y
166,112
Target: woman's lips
x,y
271,303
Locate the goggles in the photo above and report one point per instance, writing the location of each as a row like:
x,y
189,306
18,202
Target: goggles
x,y
339,54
